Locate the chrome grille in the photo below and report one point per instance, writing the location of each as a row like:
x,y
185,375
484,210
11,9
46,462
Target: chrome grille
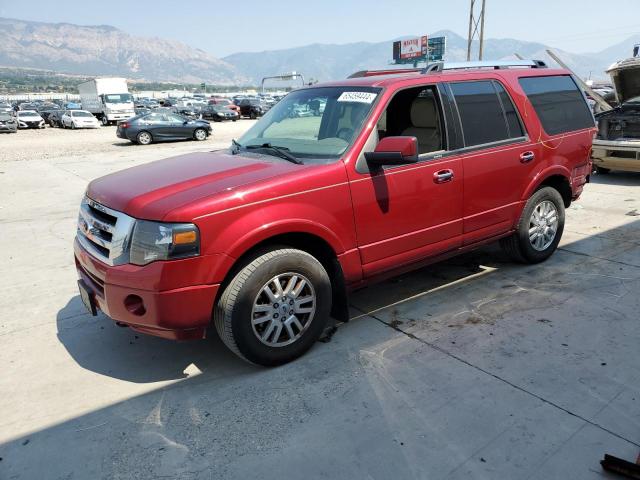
x,y
104,233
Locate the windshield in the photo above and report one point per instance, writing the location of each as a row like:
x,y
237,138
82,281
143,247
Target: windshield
x,y
28,114
5,116
81,114
118,98
317,123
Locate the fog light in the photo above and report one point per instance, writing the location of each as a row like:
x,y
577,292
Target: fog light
x,y
135,305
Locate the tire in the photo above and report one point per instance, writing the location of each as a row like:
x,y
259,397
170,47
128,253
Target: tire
x,y
234,311
252,116
105,121
200,134
73,126
602,170
144,138
537,247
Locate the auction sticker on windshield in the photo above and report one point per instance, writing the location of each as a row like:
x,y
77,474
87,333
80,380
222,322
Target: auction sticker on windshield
x,y
361,97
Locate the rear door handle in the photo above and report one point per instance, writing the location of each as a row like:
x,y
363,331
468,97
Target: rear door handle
x,y
443,176
526,157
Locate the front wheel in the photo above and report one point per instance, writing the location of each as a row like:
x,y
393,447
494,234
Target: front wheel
x,y
73,126
275,307
200,134
539,229
105,120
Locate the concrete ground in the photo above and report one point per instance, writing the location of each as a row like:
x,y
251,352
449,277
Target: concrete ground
x,y
475,368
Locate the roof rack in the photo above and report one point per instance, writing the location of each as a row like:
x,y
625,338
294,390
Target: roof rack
x,y
495,64
387,71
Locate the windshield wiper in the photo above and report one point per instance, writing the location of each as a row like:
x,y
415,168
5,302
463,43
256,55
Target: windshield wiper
x,y
235,146
279,151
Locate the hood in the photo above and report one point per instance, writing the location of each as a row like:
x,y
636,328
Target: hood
x,y
153,190
626,78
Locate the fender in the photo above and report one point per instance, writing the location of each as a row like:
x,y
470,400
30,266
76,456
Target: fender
x,y
255,236
542,176
298,225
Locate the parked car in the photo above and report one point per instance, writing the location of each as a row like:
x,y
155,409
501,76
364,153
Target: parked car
x,y
141,110
28,106
54,118
617,144
29,119
79,119
8,123
251,108
264,240
5,107
45,114
218,113
225,102
191,112
162,126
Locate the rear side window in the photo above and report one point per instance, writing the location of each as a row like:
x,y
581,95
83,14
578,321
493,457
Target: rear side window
x,y
486,117
558,102
513,121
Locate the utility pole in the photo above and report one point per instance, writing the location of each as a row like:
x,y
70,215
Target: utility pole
x,y
476,28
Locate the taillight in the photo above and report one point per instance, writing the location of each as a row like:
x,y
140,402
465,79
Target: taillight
x,y
124,125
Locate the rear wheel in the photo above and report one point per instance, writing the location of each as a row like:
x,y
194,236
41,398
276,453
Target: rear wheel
x,y
144,138
275,307
200,134
105,120
539,229
252,116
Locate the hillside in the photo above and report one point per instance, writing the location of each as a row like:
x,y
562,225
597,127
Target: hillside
x,y
105,50
328,61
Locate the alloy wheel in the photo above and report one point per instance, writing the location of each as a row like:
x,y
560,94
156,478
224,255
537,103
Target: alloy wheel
x,y
283,309
543,225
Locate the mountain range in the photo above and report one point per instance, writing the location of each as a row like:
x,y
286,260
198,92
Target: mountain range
x,y
106,50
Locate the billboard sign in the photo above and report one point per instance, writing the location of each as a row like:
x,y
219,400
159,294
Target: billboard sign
x,y
410,48
417,49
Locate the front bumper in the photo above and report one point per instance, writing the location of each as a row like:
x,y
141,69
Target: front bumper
x,y
114,117
136,296
25,125
617,155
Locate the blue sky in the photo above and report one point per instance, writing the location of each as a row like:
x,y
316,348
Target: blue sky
x,y
226,27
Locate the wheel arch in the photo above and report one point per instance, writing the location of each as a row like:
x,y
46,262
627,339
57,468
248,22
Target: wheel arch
x,y
313,244
557,178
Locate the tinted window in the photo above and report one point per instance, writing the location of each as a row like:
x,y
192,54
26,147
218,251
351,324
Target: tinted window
x,y
513,122
558,102
481,114
154,118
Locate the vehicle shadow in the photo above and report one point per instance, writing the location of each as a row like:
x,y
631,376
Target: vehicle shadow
x,y
99,345
618,178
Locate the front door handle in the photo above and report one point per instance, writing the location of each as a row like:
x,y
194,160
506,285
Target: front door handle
x,y
526,157
443,176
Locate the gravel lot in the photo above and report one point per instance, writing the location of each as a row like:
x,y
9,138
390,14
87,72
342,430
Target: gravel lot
x,y
474,368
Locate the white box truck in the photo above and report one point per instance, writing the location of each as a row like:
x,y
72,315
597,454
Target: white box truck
x,y
107,98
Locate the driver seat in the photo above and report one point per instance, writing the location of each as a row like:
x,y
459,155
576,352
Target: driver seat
x,y
425,125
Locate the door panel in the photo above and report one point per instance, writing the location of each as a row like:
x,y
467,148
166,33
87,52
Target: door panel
x,y
403,214
494,182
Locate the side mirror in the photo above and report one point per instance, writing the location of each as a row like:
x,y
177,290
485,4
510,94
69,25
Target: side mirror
x,y
394,151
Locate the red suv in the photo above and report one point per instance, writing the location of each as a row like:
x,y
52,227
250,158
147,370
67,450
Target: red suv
x,y
392,172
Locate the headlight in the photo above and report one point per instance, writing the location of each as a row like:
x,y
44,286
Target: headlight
x,y
153,241
220,114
